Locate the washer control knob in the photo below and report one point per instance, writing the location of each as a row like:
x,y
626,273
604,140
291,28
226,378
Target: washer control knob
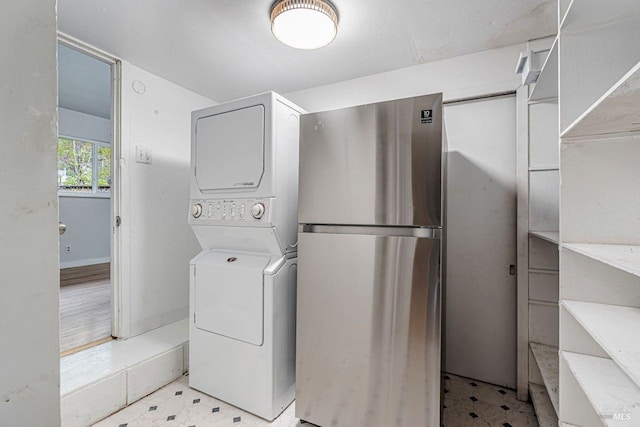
x,y
257,210
196,210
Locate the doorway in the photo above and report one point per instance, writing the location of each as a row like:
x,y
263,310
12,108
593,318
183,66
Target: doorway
x,y
481,240
87,195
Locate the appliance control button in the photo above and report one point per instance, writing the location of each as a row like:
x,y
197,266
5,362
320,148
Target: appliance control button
x,y
242,210
233,211
196,210
257,210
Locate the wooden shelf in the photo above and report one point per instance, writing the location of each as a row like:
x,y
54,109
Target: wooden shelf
x,y
543,168
608,389
546,358
615,329
563,8
615,112
543,271
582,14
549,236
546,88
599,100
622,257
545,412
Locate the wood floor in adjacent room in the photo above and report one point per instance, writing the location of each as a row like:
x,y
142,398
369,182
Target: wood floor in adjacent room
x,y
85,311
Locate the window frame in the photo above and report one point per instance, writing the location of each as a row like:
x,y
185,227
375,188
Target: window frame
x,y
94,169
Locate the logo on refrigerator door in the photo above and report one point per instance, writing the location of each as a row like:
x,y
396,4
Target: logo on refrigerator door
x,y
426,116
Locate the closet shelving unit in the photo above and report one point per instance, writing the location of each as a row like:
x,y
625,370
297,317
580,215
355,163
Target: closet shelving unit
x,y
549,236
599,106
546,88
541,277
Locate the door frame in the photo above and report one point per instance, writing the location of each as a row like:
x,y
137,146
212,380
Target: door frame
x,y
117,325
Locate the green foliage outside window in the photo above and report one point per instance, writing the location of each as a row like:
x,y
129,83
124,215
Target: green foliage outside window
x,y
76,166
104,168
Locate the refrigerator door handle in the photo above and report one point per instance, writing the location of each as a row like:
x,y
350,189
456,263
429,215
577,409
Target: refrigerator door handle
x,y
421,232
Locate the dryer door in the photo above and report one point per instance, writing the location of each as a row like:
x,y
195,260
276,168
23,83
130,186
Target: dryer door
x,y
229,295
229,149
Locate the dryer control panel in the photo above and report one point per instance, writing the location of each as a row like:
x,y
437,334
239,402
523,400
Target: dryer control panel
x,y
245,211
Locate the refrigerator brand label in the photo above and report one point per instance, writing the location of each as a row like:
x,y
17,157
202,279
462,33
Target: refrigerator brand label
x,y
426,116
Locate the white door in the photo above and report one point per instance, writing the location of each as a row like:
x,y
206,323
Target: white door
x,y
480,318
229,295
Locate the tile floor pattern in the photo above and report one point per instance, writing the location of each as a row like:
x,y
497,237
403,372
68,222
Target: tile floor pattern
x,y
467,403
470,403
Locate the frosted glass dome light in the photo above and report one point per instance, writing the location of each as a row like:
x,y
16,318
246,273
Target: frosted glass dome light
x,y
304,24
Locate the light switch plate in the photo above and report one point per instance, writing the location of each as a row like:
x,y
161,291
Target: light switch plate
x,y
143,154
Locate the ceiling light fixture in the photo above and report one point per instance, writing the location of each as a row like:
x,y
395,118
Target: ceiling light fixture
x,y
304,24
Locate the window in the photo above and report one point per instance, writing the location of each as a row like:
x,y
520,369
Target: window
x,y
84,167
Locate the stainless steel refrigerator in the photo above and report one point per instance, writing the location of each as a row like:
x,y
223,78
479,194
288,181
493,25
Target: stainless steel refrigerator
x,y
369,278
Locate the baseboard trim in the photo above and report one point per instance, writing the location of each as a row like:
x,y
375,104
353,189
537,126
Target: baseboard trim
x,y
83,262
85,274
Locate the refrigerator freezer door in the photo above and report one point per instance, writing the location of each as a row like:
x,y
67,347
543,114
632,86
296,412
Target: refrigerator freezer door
x,y
377,164
368,330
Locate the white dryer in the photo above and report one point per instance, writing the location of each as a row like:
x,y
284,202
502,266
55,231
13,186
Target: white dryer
x,y
243,210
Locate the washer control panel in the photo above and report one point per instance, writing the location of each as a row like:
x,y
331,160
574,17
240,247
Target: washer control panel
x,y
257,210
240,210
196,210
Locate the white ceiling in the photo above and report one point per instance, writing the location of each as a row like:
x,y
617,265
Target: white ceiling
x,y
224,49
84,83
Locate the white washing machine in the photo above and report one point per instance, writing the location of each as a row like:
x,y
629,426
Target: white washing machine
x,y
243,210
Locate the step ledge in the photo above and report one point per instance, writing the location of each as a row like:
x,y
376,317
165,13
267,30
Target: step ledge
x,y
101,380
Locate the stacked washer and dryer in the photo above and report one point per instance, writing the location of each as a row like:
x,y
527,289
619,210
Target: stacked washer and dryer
x,y
244,201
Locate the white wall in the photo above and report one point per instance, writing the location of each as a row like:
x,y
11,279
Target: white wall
x,y
487,72
29,372
87,217
88,230
157,243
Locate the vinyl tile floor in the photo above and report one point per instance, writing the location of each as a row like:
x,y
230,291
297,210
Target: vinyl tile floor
x,y
468,403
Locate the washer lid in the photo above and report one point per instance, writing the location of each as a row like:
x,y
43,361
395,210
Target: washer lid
x,y
229,295
229,149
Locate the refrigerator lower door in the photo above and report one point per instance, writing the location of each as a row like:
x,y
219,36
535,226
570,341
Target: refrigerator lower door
x,y
368,330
